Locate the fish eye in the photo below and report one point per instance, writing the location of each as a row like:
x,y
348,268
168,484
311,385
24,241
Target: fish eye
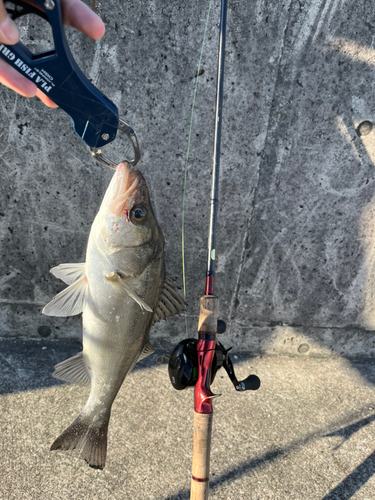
x,y
138,214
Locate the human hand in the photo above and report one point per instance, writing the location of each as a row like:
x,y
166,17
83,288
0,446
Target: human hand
x,y
75,14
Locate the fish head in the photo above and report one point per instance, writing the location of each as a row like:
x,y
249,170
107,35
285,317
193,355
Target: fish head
x,y
126,218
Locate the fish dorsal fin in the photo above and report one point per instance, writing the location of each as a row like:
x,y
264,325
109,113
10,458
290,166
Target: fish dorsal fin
x,y
73,370
147,351
68,302
116,279
170,302
69,273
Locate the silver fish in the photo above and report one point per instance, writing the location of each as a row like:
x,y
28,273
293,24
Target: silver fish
x,y
122,290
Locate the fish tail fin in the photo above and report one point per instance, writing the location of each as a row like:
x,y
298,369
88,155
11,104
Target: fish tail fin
x,y
88,438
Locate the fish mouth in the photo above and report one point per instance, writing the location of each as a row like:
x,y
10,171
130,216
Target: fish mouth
x,y
126,183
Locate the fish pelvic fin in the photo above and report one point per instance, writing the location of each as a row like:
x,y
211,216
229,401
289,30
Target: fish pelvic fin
x,y
88,438
70,301
69,273
116,279
170,302
73,370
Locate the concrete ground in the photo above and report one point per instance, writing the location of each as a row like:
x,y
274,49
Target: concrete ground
x,y
308,433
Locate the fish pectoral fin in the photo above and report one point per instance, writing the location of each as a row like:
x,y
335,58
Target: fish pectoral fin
x,y
73,370
116,279
68,302
170,302
69,273
147,351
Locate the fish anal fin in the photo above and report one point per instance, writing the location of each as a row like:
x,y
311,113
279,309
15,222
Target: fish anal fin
x,y
70,301
73,370
170,302
69,273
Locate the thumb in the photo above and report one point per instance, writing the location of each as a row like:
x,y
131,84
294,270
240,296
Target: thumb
x,y
9,33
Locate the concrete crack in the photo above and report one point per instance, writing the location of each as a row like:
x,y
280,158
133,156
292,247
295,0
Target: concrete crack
x,y
234,301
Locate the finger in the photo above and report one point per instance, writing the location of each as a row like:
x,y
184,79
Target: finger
x,y
80,16
45,99
15,81
9,33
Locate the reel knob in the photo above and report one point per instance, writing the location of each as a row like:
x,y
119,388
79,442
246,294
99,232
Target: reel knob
x,y
251,383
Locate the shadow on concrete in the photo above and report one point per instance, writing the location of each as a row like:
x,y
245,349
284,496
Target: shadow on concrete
x,y
343,491
365,367
354,481
349,430
28,365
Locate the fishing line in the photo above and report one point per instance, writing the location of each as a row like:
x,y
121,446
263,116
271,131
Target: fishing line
x,y
186,164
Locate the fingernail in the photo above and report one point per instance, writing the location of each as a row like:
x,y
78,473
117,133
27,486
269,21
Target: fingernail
x,y
9,32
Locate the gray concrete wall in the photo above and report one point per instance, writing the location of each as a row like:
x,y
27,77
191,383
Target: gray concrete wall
x,y
295,243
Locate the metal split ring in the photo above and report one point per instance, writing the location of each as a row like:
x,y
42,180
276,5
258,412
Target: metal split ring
x,y
131,137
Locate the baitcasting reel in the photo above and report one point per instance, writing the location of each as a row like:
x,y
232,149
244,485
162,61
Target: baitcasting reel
x,y
183,365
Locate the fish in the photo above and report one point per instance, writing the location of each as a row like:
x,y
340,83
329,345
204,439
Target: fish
x,y
122,290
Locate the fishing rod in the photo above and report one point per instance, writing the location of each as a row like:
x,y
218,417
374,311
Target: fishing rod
x,y
194,362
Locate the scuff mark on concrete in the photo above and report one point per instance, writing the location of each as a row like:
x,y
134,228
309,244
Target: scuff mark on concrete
x,y
245,240
94,74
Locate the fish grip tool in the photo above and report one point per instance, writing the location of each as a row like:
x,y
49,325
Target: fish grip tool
x,y
95,117
194,362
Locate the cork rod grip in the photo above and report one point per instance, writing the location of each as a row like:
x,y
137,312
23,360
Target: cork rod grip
x,y
201,456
